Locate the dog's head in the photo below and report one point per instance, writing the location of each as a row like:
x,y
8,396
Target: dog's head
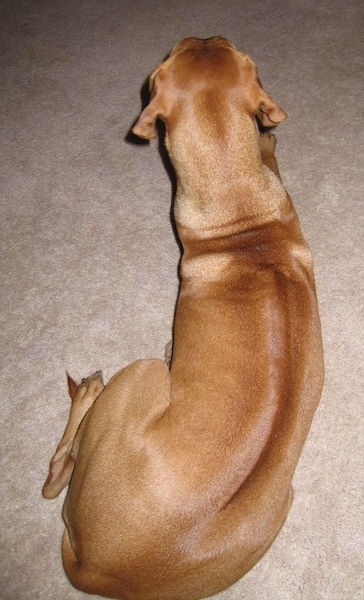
x,y
196,65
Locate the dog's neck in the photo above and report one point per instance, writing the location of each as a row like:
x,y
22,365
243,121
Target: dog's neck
x,y
222,185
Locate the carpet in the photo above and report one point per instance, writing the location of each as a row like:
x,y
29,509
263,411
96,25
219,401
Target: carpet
x,y
89,259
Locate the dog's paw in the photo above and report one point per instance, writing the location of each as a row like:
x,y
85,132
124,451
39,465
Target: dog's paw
x,y
267,143
90,387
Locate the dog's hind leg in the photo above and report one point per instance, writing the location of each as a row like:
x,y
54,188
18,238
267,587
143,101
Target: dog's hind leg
x,y
61,467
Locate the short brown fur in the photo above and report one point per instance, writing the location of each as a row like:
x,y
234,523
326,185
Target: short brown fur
x,y
182,472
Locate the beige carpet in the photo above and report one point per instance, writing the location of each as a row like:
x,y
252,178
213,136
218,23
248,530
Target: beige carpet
x,y
88,263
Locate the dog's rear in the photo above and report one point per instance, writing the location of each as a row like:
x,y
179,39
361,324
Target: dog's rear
x,y
182,476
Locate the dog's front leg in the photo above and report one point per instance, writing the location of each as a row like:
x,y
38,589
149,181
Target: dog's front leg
x,y
168,351
267,144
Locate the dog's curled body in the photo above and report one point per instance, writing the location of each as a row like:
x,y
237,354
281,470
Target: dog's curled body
x,y
182,473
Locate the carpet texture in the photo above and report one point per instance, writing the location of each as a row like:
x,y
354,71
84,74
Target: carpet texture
x,y
89,260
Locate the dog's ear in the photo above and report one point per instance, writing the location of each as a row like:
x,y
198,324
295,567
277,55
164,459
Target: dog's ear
x,y
261,104
269,113
145,125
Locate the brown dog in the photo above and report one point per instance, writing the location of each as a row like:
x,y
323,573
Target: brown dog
x,y
182,475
